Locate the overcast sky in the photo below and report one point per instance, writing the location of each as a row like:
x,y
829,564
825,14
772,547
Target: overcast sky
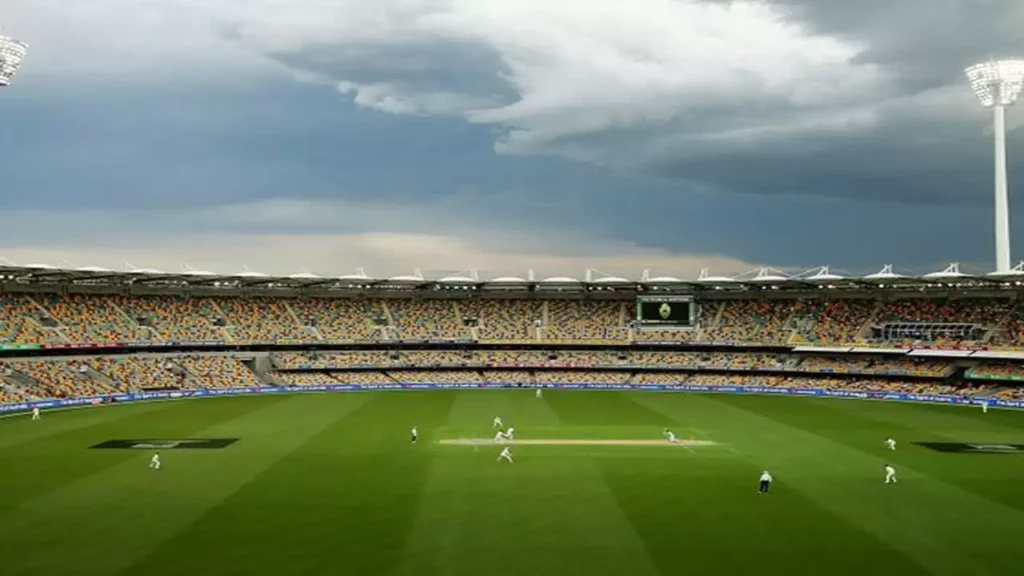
x,y
501,136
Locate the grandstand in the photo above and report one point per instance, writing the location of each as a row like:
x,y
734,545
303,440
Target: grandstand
x,y
91,332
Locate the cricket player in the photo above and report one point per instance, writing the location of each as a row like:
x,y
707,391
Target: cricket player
x,y
510,434
415,434
890,443
984,407
506,454
538,394
890,474
671,436
497,423
154,462
35,412
764,484
500,436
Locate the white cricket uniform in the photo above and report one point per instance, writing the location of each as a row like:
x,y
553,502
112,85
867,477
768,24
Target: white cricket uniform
x,y
671,437
764,483
499,437
890,444
506,454
510,433
154,462
890,475
984,407
538,393
497,423
35,413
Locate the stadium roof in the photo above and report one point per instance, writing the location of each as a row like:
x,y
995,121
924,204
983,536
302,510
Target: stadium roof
x,y
759,279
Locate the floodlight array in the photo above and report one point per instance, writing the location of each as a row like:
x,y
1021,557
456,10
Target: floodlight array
x,y
12,53
998,82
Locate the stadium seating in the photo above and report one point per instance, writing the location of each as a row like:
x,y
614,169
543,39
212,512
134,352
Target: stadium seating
x,y
98,375
102,319
76,320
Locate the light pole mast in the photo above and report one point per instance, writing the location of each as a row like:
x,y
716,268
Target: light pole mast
x,y
997,84
12,53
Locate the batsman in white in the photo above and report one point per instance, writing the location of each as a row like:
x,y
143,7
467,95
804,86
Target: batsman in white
x,y
510,434
154,462
499,437
497,422
671,436
890,443
35,413
890,474
506,454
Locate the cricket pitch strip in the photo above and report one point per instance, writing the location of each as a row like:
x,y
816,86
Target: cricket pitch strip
x,y
577,442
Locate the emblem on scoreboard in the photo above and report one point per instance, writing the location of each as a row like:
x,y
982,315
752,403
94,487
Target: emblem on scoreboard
x,y
665,311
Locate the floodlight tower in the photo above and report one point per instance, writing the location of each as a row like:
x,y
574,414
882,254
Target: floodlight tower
x,y
997,84
12,53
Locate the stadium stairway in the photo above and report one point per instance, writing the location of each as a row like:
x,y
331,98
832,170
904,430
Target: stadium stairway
x,y
717,320
227,329
44,329
996,328
865,328
104,379
19,382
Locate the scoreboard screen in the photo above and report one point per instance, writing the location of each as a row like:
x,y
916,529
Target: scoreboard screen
x,y
678,311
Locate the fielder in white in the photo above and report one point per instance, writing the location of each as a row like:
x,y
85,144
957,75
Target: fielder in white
x,y
890,474
415,434
539,395
35,413
499,437
497,423
984,407
890,443
510,434
671,436
154,462
506,454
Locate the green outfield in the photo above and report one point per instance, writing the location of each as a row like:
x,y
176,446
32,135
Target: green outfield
x,y
330,484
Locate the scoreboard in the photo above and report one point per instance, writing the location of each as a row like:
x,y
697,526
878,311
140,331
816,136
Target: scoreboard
x,y
666,311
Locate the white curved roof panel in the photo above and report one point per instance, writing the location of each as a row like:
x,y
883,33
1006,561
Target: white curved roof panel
x,y
507,280
456,280
883,276
560,280
825,278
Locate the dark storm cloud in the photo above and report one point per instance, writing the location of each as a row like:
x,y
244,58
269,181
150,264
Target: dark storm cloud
x,y
927,43
911,163
909,157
